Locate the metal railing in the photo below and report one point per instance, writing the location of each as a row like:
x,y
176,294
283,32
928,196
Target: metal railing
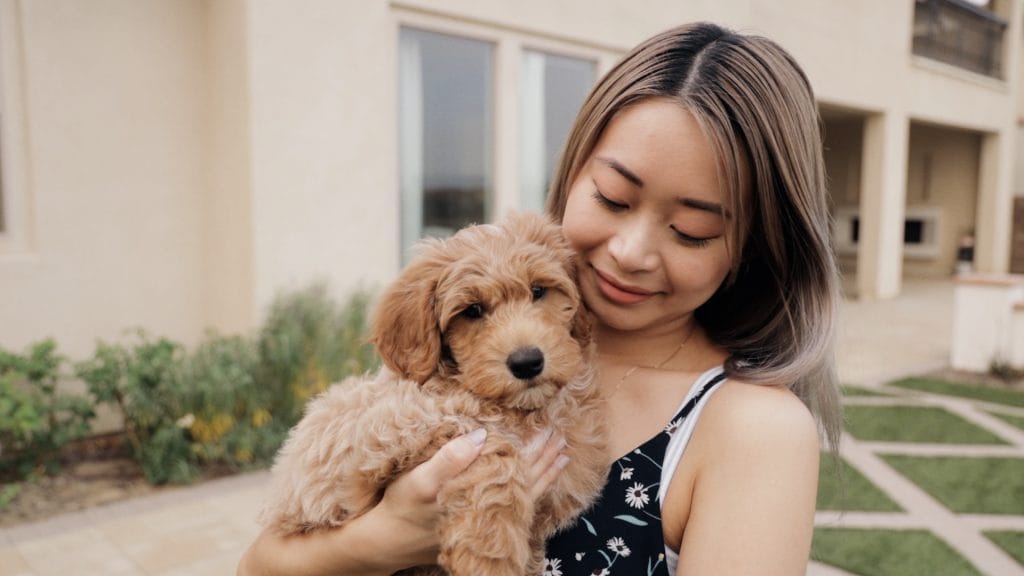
x,y
961,34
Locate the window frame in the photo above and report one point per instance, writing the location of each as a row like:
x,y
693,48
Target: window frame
x,y
527,200
509,44
16,232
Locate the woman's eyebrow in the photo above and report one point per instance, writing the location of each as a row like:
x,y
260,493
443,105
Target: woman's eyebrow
x,y
618,167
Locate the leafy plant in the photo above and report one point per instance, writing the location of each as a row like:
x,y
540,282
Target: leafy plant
x,y
1004,371
307,343
36,419
8,493
230,418
231,402
141,381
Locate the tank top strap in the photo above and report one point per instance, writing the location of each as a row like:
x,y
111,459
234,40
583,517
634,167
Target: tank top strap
x,y
685,421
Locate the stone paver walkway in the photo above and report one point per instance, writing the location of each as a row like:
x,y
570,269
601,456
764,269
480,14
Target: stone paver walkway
x,y
195,531
961,532
202,530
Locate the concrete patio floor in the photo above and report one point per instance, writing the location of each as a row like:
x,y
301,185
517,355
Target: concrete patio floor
x,y
202,530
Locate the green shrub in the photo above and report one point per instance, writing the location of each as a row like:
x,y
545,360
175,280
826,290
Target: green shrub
x,y
8,493
230,403
1004,371
36,420
307,342
230,418
141,381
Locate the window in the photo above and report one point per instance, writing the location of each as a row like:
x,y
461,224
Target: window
x,y
552,90
920,231
445,132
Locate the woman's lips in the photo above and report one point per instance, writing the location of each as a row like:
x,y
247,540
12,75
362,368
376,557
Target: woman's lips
x,y
618,292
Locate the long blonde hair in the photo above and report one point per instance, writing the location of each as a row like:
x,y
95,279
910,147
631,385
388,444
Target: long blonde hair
x,y
776,313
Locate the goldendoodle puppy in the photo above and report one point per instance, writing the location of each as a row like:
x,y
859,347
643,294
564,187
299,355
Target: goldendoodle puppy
x,y
484,329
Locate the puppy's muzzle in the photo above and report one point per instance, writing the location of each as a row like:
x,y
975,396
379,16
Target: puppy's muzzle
x,y
526,363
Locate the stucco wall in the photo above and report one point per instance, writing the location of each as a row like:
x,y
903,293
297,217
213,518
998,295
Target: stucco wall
x,y
113,116
323,127
227,210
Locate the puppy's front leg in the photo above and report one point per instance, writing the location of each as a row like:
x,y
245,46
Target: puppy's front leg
x,y
486,516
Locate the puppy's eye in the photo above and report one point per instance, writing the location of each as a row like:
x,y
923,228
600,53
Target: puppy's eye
x,y
538,292
474,311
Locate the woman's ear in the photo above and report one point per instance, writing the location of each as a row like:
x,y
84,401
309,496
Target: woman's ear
x,y
405,326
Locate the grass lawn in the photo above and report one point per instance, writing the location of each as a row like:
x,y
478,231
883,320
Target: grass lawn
x,y
1017,421
857,391
843,487
914,424
973,391
888,553
1011,542
967,485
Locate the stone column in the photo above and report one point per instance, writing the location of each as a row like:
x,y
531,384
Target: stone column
x,y
995,203
882,205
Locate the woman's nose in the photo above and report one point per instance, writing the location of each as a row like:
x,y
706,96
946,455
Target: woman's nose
x,y
634,247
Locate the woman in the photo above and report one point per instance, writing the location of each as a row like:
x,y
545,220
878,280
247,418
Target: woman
x,y
692,186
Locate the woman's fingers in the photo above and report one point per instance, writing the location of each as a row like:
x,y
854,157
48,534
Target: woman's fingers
x,y
411,500
427,479
547,461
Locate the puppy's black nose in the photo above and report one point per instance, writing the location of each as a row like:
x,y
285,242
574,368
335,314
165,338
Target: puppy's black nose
x,y
526,363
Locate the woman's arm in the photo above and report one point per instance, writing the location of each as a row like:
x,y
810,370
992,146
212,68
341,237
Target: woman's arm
x,y
753,499
397,533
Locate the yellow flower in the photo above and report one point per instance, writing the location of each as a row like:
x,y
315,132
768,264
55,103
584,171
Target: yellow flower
x,y
222,423
310,382
260,418
243,455
200,429
207,431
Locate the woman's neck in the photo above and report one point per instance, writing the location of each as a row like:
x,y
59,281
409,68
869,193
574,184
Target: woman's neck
x,y
651,346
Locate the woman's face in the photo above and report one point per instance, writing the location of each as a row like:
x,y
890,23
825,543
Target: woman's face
x,y
647,215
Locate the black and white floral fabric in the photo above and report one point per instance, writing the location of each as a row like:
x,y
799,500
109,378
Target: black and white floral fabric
x,y
622,533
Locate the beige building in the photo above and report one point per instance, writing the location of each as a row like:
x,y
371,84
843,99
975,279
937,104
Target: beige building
x,y
173,164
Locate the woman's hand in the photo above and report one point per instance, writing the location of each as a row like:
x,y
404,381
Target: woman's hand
x,y
401,531
411,501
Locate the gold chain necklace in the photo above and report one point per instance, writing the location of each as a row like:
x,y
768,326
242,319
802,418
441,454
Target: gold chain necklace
x,y
657,366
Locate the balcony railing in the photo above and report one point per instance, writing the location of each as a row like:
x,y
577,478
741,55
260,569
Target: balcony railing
x,y
961,34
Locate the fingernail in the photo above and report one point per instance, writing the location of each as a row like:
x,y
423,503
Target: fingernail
x,y
562,461
477,437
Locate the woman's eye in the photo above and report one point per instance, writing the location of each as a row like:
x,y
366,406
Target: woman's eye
x,y
692,241
538,292
604,201
473,311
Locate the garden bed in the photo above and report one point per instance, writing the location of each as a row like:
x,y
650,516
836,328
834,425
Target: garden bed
x,y
95,471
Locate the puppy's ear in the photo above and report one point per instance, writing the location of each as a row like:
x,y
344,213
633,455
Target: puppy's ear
x,y
545,232
405,326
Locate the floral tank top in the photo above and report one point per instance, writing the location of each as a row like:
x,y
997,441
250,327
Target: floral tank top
x,y
622,532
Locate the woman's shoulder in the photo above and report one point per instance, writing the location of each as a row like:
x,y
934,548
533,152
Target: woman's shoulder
x,y
754,447
752,416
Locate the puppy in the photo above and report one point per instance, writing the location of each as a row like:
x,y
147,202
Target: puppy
x,y
484,329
